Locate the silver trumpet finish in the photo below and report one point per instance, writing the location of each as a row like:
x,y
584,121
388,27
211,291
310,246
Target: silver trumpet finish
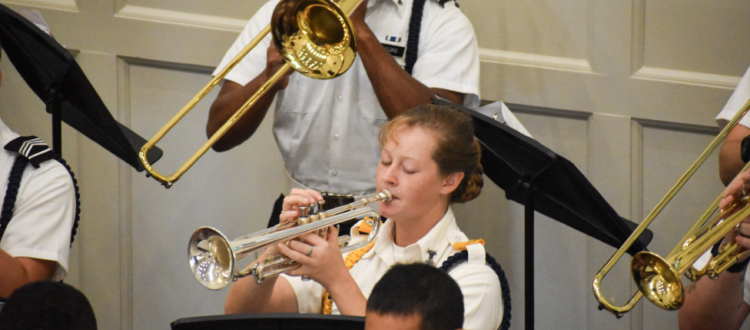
x,y
213,257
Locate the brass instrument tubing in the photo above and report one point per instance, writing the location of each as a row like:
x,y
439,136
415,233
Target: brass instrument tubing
x,y
654,212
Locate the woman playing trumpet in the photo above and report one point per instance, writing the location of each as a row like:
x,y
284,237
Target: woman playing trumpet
x,y
429,160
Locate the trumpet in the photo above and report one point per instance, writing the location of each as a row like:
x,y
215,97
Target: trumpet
x,y
315,38
213,257
658,278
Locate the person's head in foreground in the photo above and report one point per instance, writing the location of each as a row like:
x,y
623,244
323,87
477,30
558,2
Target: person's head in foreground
x,y
47,305
415,296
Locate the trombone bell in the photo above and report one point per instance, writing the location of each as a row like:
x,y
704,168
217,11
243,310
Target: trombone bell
x,y
657,279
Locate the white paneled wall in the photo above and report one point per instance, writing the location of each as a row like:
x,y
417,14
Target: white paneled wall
x,y
626,90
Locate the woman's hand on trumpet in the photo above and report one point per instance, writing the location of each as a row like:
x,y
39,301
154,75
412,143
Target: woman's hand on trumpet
x,y
320,258
297,198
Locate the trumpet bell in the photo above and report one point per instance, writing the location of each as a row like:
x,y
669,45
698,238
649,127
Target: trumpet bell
x,y
211,258
658,280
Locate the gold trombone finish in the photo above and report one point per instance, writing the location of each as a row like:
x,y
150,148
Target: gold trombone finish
x,y
659,278
315,37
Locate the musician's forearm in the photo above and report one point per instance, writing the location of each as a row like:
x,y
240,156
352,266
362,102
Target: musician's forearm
x,y
730,162
246,296
231,98
17,272
714,303
348,297
395,89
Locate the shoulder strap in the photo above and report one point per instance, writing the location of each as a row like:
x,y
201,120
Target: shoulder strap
x,y
463,256
415,27
14,182
412,43
34,150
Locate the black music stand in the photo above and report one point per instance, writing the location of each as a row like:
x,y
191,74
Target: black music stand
x,y
541,180
55,77
271,322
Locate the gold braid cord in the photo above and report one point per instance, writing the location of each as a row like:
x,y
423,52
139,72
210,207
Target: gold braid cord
x,y
355,256
461,246
351,259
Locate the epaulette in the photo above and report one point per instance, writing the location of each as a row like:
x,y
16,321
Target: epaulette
x,y
31,149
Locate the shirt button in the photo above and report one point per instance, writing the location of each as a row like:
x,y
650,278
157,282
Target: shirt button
x,y
341,98
336,135
334,173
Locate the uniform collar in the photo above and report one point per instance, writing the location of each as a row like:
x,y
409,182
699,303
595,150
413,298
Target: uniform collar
x,y
401,7
442,235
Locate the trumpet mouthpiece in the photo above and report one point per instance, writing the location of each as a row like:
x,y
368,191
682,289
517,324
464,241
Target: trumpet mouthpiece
x,y
385,195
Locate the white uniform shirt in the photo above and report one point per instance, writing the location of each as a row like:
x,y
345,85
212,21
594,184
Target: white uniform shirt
x,y
327,130
483,304
44,211
746,291
738,99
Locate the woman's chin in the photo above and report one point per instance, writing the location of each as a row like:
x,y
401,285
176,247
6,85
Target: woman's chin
x,y
387,210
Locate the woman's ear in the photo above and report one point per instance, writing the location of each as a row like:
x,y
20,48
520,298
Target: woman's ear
x,y
451,182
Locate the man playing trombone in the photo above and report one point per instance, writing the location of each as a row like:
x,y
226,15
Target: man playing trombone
x,y
326,129
724,302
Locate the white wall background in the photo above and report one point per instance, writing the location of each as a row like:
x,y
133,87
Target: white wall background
x,y
626,90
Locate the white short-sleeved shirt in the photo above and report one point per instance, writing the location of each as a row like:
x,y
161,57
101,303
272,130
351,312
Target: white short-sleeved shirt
x,y
327,130
746,291
44,211
483,305
736,102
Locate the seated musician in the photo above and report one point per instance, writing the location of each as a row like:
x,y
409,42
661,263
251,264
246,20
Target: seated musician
x,y
724,302
36,222
405,298
429,160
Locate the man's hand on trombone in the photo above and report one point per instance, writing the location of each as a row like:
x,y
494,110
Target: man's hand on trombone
x,y
736,191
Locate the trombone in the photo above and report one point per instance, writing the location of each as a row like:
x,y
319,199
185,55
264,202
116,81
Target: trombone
x,y
659,278
315,37
213,258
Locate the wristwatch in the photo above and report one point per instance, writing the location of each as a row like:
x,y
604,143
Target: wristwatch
x,y
745,149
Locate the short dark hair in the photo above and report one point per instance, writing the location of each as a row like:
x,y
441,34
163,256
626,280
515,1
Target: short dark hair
x,y
421,289
47,305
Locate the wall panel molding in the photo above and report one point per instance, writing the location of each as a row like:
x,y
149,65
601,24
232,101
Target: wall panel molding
x,y
125,192
65,5
687,78
674,126
636,203
638,35
167,65
535,60
549,112
181,18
